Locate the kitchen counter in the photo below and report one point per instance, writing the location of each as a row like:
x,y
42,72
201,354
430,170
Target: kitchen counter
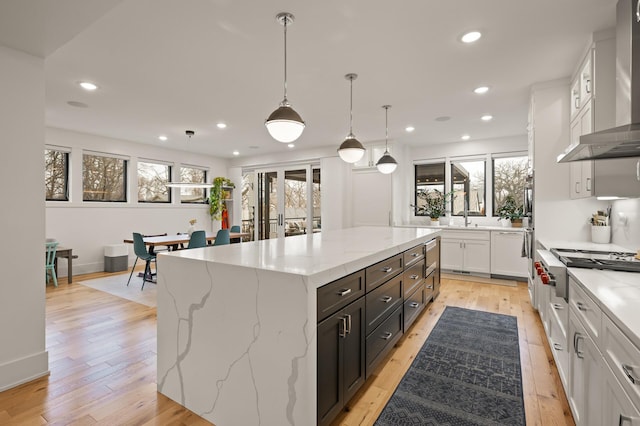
x,y
472,227
237,323
617,294
583,245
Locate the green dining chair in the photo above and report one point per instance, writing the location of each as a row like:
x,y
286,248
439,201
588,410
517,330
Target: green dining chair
x,y
235,228
140,249
222,237
198,239
50,262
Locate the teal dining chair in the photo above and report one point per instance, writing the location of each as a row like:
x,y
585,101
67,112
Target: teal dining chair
x,y
50,262
198,239
140,249
235,228
222,237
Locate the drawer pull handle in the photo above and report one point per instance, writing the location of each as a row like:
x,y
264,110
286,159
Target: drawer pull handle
x,y
387,269
414,277
576,343
386,336
386,299
414,305
558,307
430,287
581,306
344,292
626,419
557,346
628,371
415,254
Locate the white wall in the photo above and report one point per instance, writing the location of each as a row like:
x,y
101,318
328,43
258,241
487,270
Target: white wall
x,y
626,223
88,227
23,354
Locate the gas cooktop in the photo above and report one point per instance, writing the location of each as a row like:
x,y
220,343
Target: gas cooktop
x,y
615,261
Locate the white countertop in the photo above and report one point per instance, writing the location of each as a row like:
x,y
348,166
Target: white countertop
x,y
472,227
323,256
617,294
583,245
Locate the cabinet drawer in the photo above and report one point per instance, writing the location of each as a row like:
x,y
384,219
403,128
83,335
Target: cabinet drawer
x,y
382,271
586,309
623,357
413,255
432,251
430,285
339,294
381,341
382,301
413,305
413,278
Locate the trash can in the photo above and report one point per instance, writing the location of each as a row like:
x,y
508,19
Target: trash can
x,y
116,258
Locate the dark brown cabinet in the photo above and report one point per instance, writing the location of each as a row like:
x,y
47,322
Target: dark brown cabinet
x,y
433,262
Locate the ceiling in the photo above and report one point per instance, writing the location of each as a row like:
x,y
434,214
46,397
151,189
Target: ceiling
x,y
165,66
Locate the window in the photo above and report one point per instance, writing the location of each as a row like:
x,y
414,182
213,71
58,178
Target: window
x,y
428,178
193,175
152,182
104,178
56,175
509,175
468,186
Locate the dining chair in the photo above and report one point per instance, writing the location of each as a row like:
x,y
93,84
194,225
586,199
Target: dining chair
x,y
222,237
50,262
235,228
140,249
198,239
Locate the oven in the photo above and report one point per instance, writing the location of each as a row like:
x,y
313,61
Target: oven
x,y
551,284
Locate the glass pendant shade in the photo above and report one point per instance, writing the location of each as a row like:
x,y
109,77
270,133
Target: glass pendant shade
x,y
386,164
285,124
351,150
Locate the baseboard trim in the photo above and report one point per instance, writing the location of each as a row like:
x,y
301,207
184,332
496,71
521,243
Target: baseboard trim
x,y
23,370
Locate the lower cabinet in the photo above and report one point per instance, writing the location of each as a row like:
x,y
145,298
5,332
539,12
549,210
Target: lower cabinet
x,y
341,359
617,406
506,254
466,252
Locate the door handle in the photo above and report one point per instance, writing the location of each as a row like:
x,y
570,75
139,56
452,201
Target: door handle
x,y
557,346
414,277
576,343
344,292
386,299
386,336
414,305
343,327
628,371
348,324
387,269
581,306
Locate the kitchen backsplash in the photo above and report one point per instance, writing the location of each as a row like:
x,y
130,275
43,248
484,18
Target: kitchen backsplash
x,y
626,223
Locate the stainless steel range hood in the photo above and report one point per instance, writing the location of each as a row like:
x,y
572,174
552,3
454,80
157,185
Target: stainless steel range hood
x,y
624,140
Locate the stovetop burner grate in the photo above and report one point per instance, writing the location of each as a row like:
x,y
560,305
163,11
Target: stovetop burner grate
x,y
615,261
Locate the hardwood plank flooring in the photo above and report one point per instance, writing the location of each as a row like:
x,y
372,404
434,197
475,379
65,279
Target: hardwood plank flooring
x,y
102,358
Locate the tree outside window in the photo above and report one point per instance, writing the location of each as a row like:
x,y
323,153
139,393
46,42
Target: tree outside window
x,y
193,175
56,175
152,182
104,178
509,176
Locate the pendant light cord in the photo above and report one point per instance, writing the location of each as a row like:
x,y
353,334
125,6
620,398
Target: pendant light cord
x,y
386,128
351,109
286,20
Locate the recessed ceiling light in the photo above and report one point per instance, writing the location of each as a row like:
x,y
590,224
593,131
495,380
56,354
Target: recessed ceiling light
x,y
291,145
236,152
465,137
163,138
486,117
221,126
77,104
87,85
471,36
480,90
409,129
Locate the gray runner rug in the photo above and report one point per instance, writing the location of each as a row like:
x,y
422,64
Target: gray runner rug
x,y
466,373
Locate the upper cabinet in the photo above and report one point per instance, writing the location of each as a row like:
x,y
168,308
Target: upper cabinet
x,y
371,156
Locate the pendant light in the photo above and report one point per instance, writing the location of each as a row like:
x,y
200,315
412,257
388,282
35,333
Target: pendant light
x,y
191,185
351,150
386,164
284,124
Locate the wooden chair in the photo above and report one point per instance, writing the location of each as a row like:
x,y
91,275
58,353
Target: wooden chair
x,y
140,249
50,262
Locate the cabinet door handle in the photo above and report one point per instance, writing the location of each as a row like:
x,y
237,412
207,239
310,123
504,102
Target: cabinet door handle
x,y
577,187
414,305
638,11
626,419
557,346
587,85
628,371
387,269
558,307
386,336
576,343
344,292
348,324
576,102
343,327
581,306
588,184
386,299
414,277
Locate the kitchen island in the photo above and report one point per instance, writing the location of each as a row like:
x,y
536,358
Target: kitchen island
x,y
237,340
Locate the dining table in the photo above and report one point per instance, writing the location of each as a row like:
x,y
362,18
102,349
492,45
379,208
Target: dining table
x,y
172,242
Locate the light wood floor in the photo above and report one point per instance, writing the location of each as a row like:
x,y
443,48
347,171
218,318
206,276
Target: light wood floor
x,y
102,357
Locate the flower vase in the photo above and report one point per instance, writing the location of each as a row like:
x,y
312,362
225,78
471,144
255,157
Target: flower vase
x,y
435,222
191,229
506,223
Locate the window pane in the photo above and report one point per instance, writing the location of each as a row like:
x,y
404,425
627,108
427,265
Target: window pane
x,y
468,186
317,224
56,175
152,183
509,175
193,175
103,178
428,178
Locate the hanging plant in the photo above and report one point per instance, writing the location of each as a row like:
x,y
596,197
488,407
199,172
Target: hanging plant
x,y
217,196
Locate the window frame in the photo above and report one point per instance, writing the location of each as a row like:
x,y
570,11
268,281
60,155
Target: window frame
x,y
437,162
67,158
125,175
205,196
502,156
456,160
168,179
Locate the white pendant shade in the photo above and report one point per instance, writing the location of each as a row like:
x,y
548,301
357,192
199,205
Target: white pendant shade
x,y
351,150
284,124
386,164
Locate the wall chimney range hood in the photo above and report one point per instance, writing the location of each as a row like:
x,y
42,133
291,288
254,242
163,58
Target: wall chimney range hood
x,y
622,141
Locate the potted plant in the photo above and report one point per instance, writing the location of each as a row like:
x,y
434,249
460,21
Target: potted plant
x,y
434,204
217,196
510,212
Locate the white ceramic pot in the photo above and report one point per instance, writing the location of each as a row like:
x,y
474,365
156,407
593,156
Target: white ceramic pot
x,y
505,223
601,234
435,222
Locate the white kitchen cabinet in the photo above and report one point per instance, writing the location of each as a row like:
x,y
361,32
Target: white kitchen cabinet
x,y
371,156
370,210
617,408
581,172
466,252
506,250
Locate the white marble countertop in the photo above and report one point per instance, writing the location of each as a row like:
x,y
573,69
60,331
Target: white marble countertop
x,y
617,294
583,245
321,257
472,227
